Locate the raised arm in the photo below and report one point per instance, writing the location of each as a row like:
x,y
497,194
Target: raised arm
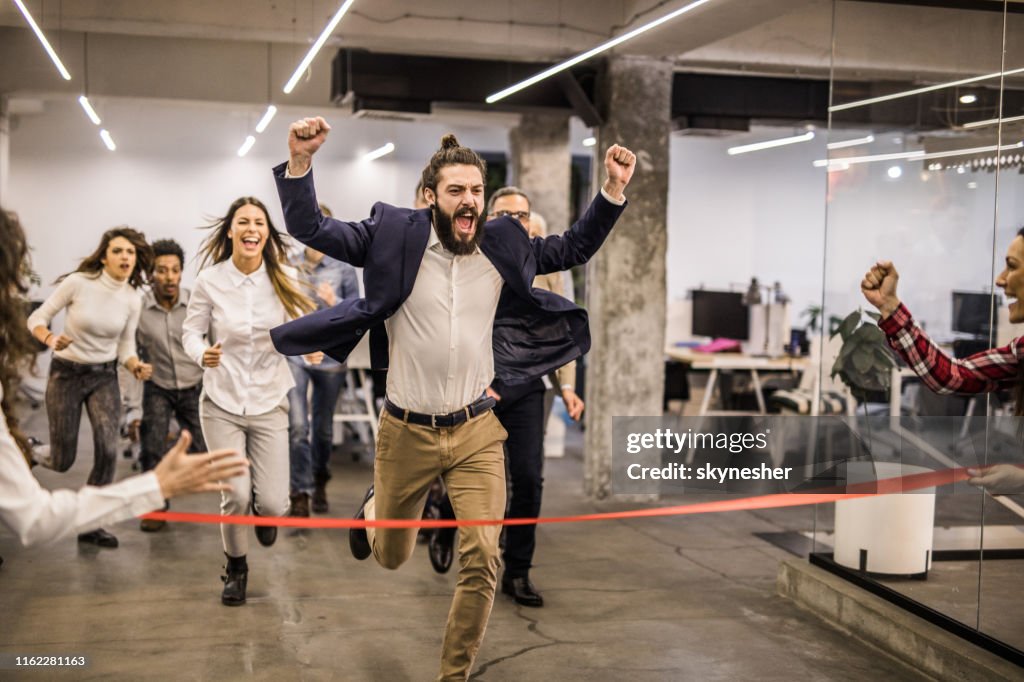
x,y
982,372
345,241
585,237
39,321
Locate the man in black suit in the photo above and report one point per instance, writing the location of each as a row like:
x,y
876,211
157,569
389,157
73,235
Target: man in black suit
x,y
449,307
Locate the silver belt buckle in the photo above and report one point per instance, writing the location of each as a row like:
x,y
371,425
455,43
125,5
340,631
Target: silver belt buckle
x,y
433,421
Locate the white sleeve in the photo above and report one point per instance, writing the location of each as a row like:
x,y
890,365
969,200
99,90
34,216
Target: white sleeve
x,y
197,322
57,301
38,516
126,345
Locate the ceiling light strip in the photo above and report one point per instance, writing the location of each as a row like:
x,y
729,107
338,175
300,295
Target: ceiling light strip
x,y
851,143
89,111
379,152
42,39
569,63
992,122
324,35
919,91
768,144
914,156
108,140
247,145
268,116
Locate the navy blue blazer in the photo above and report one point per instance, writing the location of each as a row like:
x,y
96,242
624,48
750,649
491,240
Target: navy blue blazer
x,y
535,331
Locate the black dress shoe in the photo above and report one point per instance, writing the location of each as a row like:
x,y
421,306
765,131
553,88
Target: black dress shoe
x,y
98,537
441,548
267,535
523,591
234,587
358,541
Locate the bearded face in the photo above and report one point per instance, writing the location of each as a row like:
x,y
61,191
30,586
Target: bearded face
x,y
457,206
460,232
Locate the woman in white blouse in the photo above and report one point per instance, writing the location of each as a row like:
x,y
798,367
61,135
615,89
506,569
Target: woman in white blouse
x,y
103,302
36,515
235,302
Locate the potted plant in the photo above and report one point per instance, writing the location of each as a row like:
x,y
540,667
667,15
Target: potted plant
x,y
864,362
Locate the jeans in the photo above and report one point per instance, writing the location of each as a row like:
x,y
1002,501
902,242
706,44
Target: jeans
x,y
70,386
158,406
310,457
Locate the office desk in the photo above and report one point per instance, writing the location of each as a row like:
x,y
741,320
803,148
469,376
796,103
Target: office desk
x,y
716,362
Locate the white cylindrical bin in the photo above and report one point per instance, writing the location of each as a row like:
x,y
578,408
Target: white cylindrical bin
x,y
889,534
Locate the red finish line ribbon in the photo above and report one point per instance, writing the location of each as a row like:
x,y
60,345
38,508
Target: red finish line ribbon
x,y
888,486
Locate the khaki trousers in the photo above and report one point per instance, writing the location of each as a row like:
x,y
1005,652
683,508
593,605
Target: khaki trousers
x,y
471,459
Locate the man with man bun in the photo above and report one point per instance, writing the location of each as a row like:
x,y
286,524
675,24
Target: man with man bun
x,y
449,307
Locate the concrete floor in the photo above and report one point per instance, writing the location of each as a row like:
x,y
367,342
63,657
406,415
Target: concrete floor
x,y
654,599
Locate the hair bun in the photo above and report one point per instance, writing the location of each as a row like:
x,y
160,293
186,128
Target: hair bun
x,y
449,142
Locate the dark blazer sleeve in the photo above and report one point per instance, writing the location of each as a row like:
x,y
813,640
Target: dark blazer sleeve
x,y
581,241
345,241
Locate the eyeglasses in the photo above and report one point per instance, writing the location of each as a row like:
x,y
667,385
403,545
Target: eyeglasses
x,y
518,215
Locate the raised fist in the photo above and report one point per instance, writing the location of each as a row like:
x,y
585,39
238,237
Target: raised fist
x,y
304,138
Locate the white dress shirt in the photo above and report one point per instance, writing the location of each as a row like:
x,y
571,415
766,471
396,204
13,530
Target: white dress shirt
x,y
441,356
238,310
102,315
36,515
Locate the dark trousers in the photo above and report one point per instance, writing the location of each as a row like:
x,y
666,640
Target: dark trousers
x,y
70,386
523,419
158,406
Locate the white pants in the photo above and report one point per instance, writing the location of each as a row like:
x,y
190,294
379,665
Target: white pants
x,y
263,439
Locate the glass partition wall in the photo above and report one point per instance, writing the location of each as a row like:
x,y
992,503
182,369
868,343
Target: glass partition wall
x,y
925,171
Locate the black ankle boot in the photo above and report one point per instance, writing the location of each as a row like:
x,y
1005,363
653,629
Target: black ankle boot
x,y
235,582
320,505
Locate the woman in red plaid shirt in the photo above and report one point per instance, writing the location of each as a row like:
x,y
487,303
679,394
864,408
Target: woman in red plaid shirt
x,y
990,370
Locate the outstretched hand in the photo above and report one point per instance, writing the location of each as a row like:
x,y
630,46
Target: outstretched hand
x,y
879,287
183,474
619,164
305,137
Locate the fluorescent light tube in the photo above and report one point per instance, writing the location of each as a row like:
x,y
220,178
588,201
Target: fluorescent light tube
x,y
851,143
379,152
267,118
308,59
992,122
89,111
569,63
915,156
107,140
46,43
918,91
768,144
246,146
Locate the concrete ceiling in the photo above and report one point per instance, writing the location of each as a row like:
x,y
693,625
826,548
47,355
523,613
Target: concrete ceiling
x,y
244,50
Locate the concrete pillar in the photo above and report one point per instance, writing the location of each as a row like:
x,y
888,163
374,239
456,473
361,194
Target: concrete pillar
x,y
5,149
541,165
626,280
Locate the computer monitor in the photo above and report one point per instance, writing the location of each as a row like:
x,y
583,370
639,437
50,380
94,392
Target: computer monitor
x,y
720,314
971,313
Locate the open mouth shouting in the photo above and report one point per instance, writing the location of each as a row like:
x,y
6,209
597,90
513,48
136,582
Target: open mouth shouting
x,y
465,223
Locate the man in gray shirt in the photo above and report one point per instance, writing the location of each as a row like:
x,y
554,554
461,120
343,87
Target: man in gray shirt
x,y
174,388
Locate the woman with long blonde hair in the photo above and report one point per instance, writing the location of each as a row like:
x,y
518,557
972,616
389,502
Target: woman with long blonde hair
x,y
243,290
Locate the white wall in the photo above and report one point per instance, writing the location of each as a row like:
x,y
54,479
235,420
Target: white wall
x,y
763,214
176,166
